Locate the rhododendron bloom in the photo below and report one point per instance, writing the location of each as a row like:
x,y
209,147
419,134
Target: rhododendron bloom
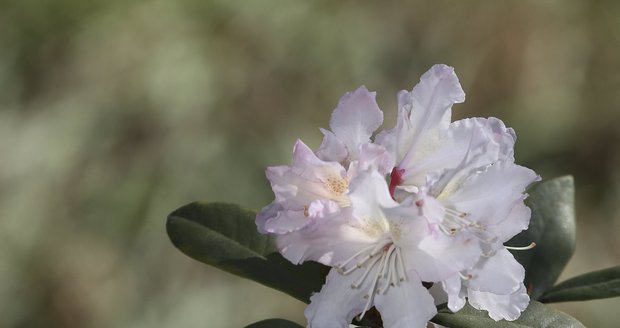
x,y
465,182
429,200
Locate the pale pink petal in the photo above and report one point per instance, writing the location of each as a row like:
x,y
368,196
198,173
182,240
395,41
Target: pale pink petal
x,y
286,221
407,305
332,149
498,274
508,307
307,165
487,141
434,255
307,179
490,197
456,293
327,238
266,213
437,154
516,221
431,100
355,119
337,303
398,139
369,196
282,182
424,114
372,157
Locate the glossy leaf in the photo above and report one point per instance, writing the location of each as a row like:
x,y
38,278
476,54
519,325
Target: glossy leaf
x,y
536,315
552,227
225,236
593,285
274,323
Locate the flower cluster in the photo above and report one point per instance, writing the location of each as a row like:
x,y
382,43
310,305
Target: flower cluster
x,y
429,200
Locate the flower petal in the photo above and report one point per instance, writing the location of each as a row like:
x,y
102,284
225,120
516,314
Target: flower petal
x,y
286,221
407,305
306,180
326,238
332,149
424,113
434,255
337,303
508,307
370,198
372,157
266,213
456,293
516,221
437,154
499,274
495,195
307,165
355,119
488,141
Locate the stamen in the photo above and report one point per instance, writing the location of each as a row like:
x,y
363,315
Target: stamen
x,y
402,275
387,254
465,277
457,213
455,221
359,281
449,232
523,248
342,265
488,254
373,288
483,238
390,271
388,275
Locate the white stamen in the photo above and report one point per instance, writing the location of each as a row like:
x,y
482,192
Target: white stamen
x,y
402,275
387,256
456,213
389,266
488,254
523,248
342,266
359,281
484,238
373,288
388,276
465,277
454,221
446,231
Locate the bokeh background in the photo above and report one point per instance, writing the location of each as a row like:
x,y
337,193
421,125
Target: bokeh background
x,y
114,113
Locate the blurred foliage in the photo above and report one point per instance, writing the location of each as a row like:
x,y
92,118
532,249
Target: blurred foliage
x,y
114,112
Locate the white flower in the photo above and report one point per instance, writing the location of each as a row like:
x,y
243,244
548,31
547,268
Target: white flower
x,y
378,251
465,183
326,175
454,197
353,122
420,142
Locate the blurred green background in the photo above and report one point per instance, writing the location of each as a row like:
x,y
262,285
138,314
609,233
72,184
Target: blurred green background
x,y
114,113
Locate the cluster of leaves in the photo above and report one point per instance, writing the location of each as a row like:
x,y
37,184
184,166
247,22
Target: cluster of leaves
x,y
225,236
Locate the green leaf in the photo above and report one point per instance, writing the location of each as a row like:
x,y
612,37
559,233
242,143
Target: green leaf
x,y
225,236
274,323
552,227
593,285
536,315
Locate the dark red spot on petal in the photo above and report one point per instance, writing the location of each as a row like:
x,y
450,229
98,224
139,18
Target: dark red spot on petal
x,y
396,178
